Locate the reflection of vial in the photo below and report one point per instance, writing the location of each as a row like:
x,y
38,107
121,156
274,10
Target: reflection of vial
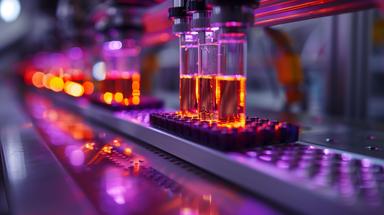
x,y
231,80
188,74
208,54
122,82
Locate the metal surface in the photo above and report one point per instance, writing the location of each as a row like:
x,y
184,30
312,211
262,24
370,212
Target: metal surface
x,y
347,78
35,182
273,182
121,176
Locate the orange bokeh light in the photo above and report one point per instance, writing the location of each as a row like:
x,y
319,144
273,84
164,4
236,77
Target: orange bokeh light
x,y
88,87
108,96
116,143
127,151
56,84
107,149
37,79
135,100
47,79
89,145
73,89
119,97
126,101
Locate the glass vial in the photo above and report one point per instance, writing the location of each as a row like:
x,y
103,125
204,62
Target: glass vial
x,y
231,80
208,70
122,81
188,74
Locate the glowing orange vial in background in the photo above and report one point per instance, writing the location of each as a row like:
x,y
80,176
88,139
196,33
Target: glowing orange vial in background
x,y
108,85
135,88
122,65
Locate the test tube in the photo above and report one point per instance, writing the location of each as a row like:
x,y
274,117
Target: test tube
x,y
122,82
188,58
127,66
107,85
77,65
188,73
208,69
231,80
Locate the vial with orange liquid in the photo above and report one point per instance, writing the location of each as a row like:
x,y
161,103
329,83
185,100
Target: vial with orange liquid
x,y
208,68
122,81
78,70
188,74
77,65
231,78
207,62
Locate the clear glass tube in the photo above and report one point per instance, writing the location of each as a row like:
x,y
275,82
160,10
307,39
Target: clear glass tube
x,y
122,81
208,70
77,64
231,80
79,68
188,73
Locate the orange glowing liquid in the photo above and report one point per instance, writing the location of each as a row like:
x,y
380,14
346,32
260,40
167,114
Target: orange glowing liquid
x,y
207,98
188,95
108,85
124,88
230,93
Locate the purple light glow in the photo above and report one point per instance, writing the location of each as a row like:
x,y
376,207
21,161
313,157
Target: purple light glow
x,y
233,24
76,157
119,188
115,45
365,163
75,53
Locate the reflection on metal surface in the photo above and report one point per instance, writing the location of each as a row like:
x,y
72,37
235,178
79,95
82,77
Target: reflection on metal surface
x,y
76,157
11,141
267,170
116,186
119,180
